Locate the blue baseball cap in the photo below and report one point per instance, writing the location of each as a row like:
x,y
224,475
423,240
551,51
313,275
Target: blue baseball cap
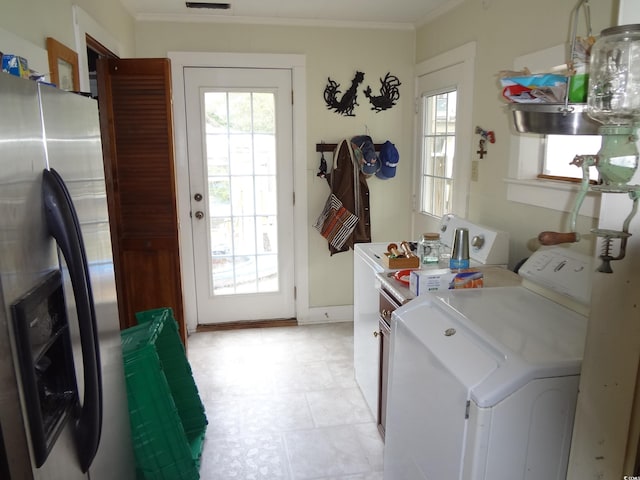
x,y
389,159
368,159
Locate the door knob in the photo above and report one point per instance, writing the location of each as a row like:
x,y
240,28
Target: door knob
x,y
197,197
199,215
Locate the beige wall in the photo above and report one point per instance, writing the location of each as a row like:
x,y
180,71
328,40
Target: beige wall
x,y
504,30
335,53
35,20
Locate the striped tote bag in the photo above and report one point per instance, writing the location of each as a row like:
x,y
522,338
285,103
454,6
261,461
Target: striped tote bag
x,y
336,223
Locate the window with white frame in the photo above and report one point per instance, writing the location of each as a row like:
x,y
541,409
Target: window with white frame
x,y
444,134
536,159
438,149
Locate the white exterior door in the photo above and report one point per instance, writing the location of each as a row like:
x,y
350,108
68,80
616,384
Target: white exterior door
x,y
239,141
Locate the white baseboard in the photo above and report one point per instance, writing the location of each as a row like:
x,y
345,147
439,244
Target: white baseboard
x,y
335,314
340,313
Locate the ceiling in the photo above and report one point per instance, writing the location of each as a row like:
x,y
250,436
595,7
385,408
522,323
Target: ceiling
x,y
398,13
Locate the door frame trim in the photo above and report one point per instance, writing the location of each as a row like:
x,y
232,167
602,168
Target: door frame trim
x,y
297,65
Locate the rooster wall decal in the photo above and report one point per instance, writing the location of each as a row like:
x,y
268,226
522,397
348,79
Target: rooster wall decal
x,y
389,93
348,102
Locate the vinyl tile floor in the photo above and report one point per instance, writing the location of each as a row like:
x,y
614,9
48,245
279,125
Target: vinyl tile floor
x,y
282,404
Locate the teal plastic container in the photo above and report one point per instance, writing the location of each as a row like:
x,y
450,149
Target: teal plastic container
x,y
167,417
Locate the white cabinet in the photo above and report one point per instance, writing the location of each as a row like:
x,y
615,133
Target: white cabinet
x,y
366,338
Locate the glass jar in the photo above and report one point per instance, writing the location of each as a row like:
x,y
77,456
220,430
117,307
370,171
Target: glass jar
x,y
429,249
614,76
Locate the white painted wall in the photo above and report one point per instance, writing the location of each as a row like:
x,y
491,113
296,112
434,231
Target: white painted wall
x,y
335,53
24,33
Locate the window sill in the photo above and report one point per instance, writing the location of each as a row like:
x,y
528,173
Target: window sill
x,y
554,195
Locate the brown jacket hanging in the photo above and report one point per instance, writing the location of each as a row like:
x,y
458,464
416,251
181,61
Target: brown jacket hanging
x,y
350,186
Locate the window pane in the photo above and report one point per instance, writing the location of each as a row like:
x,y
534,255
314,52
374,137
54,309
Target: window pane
x,y
451,112
561,149
450,149
428,149
430,116
441,116
439,196
427,194
438,152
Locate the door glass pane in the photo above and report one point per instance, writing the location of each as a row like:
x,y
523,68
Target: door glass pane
x,y
219,197
241,158
242,200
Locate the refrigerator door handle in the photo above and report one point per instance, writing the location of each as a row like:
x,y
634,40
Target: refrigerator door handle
x,y
63,225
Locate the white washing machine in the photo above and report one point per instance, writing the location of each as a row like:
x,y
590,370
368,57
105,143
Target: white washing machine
x,y
483,382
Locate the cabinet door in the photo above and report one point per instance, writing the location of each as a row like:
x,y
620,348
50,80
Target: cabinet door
x,y
387,304
366,350
385,343
137,131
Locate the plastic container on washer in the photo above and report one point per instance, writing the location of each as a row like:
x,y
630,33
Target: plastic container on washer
x,y
429,249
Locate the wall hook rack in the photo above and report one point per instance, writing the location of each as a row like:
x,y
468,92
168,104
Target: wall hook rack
x,y
330,147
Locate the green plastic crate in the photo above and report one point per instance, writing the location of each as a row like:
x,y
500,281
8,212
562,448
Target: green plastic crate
x,y
168,421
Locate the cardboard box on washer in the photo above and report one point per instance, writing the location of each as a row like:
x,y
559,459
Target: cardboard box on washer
x,y
425,281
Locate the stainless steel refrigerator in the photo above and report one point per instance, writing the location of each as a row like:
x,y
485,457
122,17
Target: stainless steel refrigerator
x,y
63,406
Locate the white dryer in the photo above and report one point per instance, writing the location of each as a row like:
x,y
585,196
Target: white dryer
x,y
483,382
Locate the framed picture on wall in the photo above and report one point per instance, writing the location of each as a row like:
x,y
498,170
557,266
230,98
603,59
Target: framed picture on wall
x,y
63,65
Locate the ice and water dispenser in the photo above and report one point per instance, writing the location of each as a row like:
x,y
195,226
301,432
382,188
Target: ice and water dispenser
x,y
45,358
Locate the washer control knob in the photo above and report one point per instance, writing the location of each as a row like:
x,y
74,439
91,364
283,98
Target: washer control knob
x,y
477,241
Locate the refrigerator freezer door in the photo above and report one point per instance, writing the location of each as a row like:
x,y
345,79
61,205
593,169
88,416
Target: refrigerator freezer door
x,y
27,253
74,150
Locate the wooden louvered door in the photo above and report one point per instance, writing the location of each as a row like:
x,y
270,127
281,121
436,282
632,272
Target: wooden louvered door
x,y
134,97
